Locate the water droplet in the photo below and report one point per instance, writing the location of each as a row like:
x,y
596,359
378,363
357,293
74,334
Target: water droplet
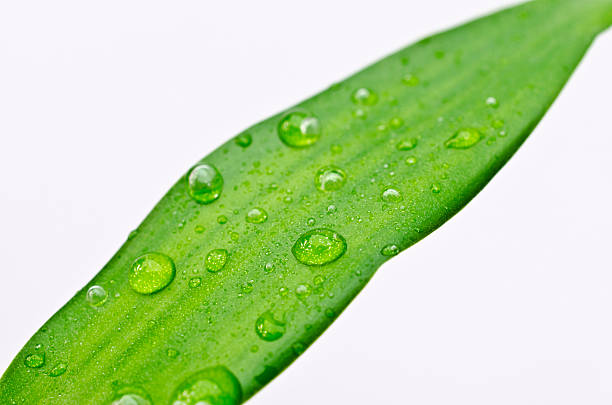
x,y
360,113
298,348
132,399
269,267
222,220
407,144
211,386
244,140
492,102
299,129
35,360
204,183
199,229
464,139
96,296
58,370
329,178
392,195
497,124
503,133
247,287
390,250
411,161
396,122
319,247
151,273
311,222
172,353
330,313
195,282
332,209
303,291
410,80
216,260
269,328
364,96
435,188
257,216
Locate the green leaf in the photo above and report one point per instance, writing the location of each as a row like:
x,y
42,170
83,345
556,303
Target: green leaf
x,y
255,251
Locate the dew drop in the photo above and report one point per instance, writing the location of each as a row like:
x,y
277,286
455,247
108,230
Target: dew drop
x,y
222,220
410,80
96,296
172,353
269,267
299,129
435,188
244,140
58,370
360,113
199,229
269,328
319,247
195,282
35,360
392,195
407,144
329,178
257,216
396,122
497,124
492,102
215,260
204,183
151,272
303,291
364,96
311,222
411,161
390,250
132,399
463,139
211,386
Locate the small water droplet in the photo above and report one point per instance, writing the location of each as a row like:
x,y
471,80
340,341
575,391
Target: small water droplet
x,y
411,161
396,122
407,144
392,195
58,370
151,273
303,291
298,348
269,267
256,216
199,229
269,328
222,220
311,222
503,133
204,183
332,209
299,129
390,250
319,247
195,282
127,398
435,188
35,360
410,80
172,353
329,178
96,296
492,102
244,140
216,259
211,386
364,96
463,139
497,124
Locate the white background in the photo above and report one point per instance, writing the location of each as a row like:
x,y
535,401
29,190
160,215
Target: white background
x,y
104,104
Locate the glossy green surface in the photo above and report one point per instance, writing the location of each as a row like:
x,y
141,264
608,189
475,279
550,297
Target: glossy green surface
x,y
253,253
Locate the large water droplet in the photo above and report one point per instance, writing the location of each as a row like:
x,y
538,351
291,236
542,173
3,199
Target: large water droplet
x,y
96,296
257,216
269,328
364,96
151,273
330,178
216,259
35,360
318,247
299,129
211,386
392,195
204,183
464,139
